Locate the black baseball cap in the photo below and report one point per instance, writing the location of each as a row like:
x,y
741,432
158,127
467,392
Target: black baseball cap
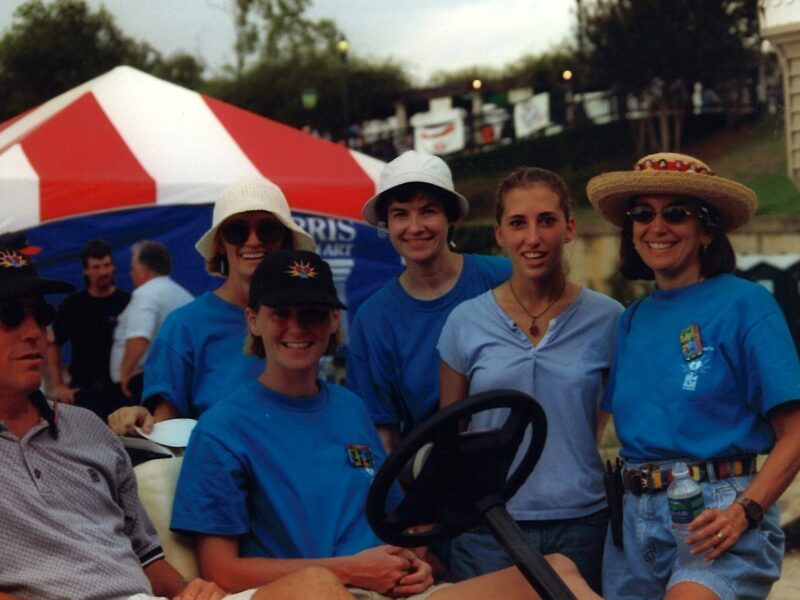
x,y
18,275
293,278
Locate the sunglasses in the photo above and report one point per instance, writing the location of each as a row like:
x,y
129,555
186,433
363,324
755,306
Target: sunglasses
x,y
12,314
671,214
308,316
268,232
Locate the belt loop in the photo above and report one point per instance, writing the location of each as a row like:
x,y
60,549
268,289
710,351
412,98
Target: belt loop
x,y
711,472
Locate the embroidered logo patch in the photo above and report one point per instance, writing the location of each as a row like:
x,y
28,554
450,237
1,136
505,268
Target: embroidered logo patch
x,y
10,259
301,269
691,343
360,456
95,477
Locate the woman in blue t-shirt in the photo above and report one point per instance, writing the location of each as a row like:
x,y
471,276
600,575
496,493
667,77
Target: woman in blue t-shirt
x,y
705,372
546,336
196,358
391,351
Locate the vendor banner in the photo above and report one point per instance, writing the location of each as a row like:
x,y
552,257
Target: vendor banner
x,y
531,115
439,132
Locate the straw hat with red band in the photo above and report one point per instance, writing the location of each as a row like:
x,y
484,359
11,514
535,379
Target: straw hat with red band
x,y
668,173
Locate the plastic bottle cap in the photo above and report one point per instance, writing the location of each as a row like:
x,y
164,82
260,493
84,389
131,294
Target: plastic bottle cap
x,y
679,469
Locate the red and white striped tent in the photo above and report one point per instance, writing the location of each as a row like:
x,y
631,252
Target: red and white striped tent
x,y
97,160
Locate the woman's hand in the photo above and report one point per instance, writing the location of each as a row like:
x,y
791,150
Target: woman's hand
x,y
419,579
380,568
715,530
123,421
200,589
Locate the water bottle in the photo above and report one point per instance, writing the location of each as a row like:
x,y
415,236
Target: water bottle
x,y
685,497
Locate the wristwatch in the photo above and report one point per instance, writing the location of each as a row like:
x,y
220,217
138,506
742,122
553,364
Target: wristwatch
x,y
752,510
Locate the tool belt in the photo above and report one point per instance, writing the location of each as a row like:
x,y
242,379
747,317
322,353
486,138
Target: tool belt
x,y
650,478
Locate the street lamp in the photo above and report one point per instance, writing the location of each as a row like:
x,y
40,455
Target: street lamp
x,y
569,98
342,46
309,100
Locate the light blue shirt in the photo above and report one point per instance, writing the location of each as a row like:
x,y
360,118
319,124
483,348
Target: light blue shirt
x,y
564,373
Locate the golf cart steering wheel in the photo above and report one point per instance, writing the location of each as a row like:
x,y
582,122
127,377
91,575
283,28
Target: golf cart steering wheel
x,y
461,479
464,472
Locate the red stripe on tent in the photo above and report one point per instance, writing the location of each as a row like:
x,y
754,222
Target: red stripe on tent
x,y
316,175
84,165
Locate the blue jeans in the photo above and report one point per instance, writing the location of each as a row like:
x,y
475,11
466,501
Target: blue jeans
x,y
476,552
646,567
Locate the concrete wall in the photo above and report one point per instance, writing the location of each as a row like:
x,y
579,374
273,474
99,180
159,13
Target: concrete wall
x,y
593,254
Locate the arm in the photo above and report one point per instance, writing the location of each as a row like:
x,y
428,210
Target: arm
x,y
778,471
55,372
135,349
453,386
602,422
4,596
380,568
390,436
124,421
166,581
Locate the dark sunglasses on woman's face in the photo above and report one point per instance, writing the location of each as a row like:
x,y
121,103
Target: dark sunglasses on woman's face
x,y
671,214
237,232
12,314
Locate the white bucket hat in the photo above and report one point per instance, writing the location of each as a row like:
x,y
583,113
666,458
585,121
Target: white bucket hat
x,y
414,167
252,194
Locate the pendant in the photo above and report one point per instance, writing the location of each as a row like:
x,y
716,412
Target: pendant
x,y
534,330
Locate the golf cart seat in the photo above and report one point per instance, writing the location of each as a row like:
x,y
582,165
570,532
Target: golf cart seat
x,y
157,480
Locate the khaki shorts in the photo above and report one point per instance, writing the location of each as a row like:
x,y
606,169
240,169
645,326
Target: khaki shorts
x,y
362,594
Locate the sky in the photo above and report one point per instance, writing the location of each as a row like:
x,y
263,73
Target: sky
x,y
424,36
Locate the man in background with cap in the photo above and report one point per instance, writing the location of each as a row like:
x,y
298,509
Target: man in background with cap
x,y
156,295
86,320
73,526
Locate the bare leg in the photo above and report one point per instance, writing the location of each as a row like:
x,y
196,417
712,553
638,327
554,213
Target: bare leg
x,y
690,589
510,584
310,583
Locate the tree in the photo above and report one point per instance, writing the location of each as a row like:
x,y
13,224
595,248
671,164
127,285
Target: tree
x,y
270,30
51,48
656,49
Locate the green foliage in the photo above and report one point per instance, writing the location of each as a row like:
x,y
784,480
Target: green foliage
x,y
634,41
274,88
541,72
53,47
274,30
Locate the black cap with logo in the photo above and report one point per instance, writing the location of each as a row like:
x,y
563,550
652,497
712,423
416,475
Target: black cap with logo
x,y
293,278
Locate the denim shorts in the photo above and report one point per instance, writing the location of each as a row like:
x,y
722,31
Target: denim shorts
x,y
581,539
646,567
